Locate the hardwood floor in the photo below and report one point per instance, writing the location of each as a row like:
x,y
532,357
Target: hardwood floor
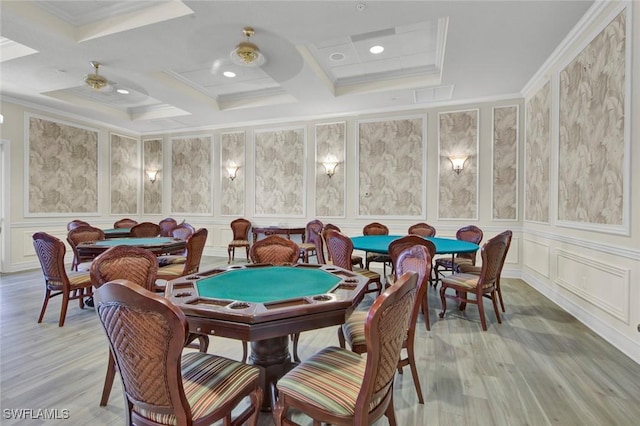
x,y
539,367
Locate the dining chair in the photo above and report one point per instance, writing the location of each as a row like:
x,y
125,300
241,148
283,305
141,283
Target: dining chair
x,y
166,226
340,249
162,384
340,387
375,228
422,229
355,259
83,234
470,233
240,228
138,266
194,248
493,254
312,246
145,230
276,251
125,223
76,223
180,232
57,281
398,246
415,259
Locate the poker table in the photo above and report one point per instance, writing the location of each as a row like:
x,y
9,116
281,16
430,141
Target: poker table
x,y
380,244
117,232
156,245
264,304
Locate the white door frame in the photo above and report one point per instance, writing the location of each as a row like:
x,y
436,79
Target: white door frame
x,y
5,234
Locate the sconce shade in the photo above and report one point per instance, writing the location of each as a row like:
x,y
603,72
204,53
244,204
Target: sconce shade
x,y
330,167
457,162
152,174
232,170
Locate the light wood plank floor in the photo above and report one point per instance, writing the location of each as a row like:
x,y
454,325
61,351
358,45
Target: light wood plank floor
x,y
539,367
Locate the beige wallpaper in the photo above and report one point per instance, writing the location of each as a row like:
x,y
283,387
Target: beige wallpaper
x,y
152,159
536,202
505,163
458,193
330,146
191,175
391,167
63,167
232,152
592,124
125,174
279,168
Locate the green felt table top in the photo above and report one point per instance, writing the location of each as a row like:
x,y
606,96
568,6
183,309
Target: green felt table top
x,y
135,241
267,284
380,244
117,230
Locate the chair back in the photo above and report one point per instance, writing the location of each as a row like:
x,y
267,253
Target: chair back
x,y
401,244
76,223
133,264
166,226
82,234
328,227
274,250
422,229
340,248
375,228
182,232
125,223
51,251
313,234
493,254
145,230
416,258
146,334
472,234
195,248
240,228
385,329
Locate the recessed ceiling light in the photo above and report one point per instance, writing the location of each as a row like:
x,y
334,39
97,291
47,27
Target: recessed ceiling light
x,y
123,91
376,49
229,74
337,56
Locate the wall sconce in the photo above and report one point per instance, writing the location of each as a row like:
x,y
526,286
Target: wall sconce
x,y
330,165
457,162
152,174
232,170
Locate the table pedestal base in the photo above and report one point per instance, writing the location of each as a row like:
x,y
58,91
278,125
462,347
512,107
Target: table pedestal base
x,y
274,358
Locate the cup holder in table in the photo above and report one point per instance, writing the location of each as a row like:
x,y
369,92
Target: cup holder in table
x,y
351,280
182,294
239,305
322,298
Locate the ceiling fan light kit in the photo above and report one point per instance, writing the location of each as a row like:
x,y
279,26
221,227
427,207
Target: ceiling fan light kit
x,y
246,53
95,81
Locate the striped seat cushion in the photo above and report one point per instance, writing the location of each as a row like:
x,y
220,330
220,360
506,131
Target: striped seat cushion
x,y
353,329
470,269
239,243
209,382
175,270
462,280
84,266
79,278
171,259
307,246
329,380
373,276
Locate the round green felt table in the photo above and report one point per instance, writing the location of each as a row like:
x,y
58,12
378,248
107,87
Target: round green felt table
x,y
261,285
138,242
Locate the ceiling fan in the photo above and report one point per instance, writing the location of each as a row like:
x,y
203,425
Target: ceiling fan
x,y
95,80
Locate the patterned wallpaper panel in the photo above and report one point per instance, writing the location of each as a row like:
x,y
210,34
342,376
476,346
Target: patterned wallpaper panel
x,y
63,167
279,168
232,152
458,193
391,167
125,174
592,125
505,163
536,202
152,159
191,175
330,146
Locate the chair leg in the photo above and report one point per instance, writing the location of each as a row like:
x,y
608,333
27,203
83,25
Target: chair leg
x,y
343,344
494,296
203,341
500,294
414,372
108,380
390,412
245,352
63,309
425,311
483,321
230,250
45,302
247,248
294,339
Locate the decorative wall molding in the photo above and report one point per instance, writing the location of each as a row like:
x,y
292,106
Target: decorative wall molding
x,y
152,158
233,153
280,178
584,277
536,159
330,142
458,135
124,174
61,168
391,167
504,162
538,256
191,175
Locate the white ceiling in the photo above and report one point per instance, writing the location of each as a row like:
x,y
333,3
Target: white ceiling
x,y
170,55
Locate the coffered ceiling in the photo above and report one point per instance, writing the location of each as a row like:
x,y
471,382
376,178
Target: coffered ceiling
x,y
173,57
